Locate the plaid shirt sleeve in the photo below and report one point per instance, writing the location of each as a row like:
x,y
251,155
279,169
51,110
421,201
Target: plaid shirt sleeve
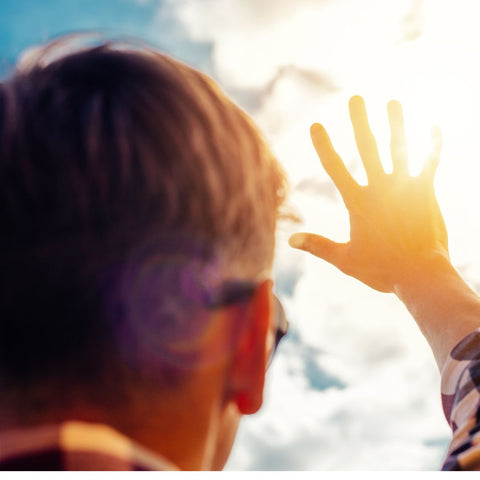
x,y
461,403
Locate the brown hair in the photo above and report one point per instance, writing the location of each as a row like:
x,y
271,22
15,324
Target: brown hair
x,y
120,169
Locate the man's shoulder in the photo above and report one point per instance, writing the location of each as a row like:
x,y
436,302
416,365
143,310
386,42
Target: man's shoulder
x,y
75,445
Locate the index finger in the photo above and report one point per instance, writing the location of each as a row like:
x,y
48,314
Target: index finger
x,y
332,163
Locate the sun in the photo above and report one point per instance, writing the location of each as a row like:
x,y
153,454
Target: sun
x,y
447,101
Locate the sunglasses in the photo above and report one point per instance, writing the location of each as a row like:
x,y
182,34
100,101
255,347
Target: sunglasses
x,y
237,292
281,326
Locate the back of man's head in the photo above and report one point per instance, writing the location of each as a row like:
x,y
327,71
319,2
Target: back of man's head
x,y
131,191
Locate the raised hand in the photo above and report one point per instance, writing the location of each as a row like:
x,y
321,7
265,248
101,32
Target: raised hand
x,y
396,227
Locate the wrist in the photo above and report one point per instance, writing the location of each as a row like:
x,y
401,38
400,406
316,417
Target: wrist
x,y
444,307
421,274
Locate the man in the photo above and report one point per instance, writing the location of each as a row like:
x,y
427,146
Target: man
x,y
138,213
138,210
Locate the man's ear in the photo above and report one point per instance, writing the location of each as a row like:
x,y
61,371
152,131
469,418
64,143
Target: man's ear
x,y
247,374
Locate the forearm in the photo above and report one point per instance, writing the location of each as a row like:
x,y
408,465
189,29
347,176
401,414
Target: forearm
x,y
398,238
445,308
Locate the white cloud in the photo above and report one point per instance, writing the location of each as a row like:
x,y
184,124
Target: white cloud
x,y
355,386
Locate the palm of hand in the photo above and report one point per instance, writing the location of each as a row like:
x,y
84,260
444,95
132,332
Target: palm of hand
x,y
395,221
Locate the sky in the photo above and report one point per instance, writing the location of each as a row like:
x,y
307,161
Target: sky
x,y
354,386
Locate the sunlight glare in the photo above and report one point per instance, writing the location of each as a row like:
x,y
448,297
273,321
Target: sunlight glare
x,y
445,101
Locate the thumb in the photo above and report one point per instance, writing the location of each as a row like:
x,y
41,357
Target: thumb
x,y
319,246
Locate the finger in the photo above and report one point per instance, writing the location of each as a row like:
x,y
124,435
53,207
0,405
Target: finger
x,y
430,167
398,139
332,163
366,144
319,246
